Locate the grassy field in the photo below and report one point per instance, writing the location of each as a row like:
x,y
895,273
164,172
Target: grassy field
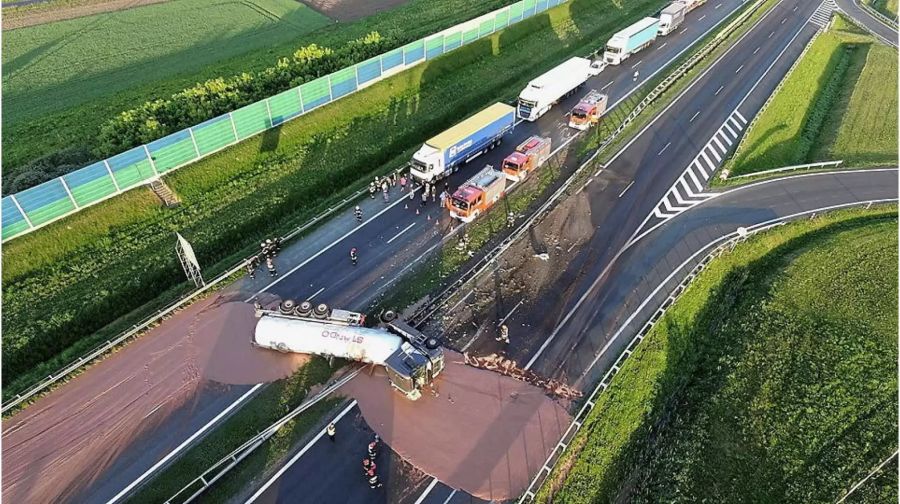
x,y
854,81
773,378
50,106
68,285
886,7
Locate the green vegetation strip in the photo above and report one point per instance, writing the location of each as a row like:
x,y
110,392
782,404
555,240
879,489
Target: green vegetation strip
x,y
62,81
65,285
773,378
833,106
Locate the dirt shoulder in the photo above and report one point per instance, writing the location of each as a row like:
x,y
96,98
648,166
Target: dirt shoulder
x,y
351,10
49,12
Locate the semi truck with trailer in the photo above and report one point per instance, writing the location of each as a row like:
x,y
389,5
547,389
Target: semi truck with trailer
x,y
478,194
411,359
631,40
528,156
588,111
443,154
671,17
554,85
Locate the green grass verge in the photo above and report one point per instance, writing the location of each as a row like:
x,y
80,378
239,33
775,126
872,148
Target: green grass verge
x,y
886,7
65,284
773,378
833,106
270,404
62,110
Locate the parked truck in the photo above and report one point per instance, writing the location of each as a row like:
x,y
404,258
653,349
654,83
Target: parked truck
x,y
477,195
548,89
411,359
444,153
528,156
631,40
588,111
671,17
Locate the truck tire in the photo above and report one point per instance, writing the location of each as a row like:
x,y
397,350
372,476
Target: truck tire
x,y
287,306
304,309
388,316
322,311
432,343
281,347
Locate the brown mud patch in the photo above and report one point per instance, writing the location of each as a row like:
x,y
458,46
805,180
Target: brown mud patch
x,y
481,432
38,16
350,10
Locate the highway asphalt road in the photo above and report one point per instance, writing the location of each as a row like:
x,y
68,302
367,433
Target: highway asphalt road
x,y
389,241
853,9
622,194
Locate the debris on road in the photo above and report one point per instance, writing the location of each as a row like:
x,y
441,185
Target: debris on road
x,y
508,367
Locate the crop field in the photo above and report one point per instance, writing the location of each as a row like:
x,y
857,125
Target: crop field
x,y
773,378
855,82
63,81
66,284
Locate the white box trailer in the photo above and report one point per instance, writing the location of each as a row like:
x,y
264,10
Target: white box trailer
x,y
690,5
631,40
671,17
542,93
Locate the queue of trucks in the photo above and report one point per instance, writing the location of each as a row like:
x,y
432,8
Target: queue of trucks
x,y
443,154
642,33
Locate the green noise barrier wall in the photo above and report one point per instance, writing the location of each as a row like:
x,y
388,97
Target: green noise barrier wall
x,y
40,205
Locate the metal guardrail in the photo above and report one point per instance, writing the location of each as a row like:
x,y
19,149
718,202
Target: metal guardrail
x,y
731,240
878,15
149,321
228,462
789,168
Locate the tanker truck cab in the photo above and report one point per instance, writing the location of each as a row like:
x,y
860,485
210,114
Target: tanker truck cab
x,y
427,164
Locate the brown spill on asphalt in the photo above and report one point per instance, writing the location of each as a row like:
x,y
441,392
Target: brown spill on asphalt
x,y
60,445
483,433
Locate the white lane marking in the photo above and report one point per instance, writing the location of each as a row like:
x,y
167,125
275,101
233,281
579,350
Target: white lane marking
x,y
739,69
739,116
722,147
773,33
727,139
795,8
401,232
672,208
636,64
734,134
734,121
663,149
299,454
510,313
719,90
708,162
696,180
702,171
682,31
675,192
553,334
756,50
610,83
701,18
694,116
783,20
626,188
690,192
717,6
310,298
153,410
183,445
450,496
427,491
328,247
663,45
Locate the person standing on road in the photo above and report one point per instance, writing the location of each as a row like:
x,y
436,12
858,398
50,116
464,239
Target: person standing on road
x,y
358,213
384,190
411,193
510,219
424,197
373,451
251,267
372,190
504,334
444,198
402,183
330,430
270,265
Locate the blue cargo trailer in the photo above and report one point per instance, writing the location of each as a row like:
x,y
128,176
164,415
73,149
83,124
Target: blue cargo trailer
x,y
631,40
444,153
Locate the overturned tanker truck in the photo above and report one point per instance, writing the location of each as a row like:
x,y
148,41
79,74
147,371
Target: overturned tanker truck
x,y
411,359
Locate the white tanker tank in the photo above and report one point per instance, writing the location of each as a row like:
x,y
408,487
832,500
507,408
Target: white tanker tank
x,y
411,359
